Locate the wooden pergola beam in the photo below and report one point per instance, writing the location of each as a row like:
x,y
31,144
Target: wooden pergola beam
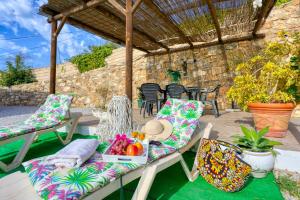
x,y
136,5
269,11
61,25
168,21
78,8
90,29
115,4
123,23
101,33
190,6
215,20
263,13
208,44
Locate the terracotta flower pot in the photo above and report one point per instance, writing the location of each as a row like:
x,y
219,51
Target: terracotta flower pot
x,y
274,115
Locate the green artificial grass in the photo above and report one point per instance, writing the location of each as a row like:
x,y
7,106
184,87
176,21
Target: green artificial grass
x,y
168,184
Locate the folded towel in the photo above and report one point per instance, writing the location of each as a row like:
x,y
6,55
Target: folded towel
x,y
74,154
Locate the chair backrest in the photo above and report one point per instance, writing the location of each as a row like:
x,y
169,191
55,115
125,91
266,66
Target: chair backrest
x,y
215,93
193,92
175,90
184,116
150,91
54,110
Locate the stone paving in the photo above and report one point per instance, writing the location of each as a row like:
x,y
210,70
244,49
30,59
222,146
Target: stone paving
x,y
228,124
224,126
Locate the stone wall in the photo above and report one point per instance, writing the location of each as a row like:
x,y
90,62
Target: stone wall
x,y
65,69
21,97
91,89
206,67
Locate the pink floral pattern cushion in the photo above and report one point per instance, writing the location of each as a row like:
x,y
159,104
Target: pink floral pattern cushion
x,y
50,114
53,183
184,116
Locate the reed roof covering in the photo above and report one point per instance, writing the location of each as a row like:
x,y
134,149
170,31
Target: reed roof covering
x,y
164,25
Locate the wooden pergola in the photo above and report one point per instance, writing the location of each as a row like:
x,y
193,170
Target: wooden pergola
x,y
157,26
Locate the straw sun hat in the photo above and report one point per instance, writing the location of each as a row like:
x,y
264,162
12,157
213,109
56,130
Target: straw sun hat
x,y
157,129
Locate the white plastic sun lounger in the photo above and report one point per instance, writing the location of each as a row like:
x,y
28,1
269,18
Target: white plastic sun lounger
x,y
71,122
18,187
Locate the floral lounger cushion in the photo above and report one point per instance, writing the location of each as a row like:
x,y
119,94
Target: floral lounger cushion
x,y
52,183
50,114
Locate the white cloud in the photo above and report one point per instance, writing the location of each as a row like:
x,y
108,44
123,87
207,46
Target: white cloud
x,y
9,47
38,54
23,14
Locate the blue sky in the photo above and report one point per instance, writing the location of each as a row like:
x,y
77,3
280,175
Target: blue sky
x,y
22,30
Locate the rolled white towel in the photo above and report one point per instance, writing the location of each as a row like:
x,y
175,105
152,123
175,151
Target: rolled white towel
x,y
74,154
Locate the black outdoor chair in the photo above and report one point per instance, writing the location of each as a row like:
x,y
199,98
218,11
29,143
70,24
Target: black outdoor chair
x,y
175,90
205,94
150,93
193,93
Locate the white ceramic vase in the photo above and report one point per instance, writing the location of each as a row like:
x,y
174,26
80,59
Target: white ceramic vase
x,y
261,162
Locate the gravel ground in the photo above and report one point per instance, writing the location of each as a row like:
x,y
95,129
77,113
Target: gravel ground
x,y
224,127
289,183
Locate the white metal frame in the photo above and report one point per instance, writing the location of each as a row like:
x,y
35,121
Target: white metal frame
x,y
29,138
18,187
148,173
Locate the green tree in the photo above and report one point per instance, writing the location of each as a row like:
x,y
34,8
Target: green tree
x,y
94,58
16,73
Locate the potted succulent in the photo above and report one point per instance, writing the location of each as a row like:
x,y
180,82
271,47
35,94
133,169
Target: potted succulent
x,y
257,150
140,97
267,84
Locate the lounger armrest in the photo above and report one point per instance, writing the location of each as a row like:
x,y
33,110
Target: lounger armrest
x,y
74,115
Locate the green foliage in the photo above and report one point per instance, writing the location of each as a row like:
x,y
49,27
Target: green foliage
x,y
253,140
140,94
272,76
289,185
16,73
94,58
174,75
280,2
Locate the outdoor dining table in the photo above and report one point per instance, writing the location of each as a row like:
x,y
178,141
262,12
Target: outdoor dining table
x,y
193,93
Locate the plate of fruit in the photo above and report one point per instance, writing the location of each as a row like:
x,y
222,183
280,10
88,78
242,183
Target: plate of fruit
x,y
126,150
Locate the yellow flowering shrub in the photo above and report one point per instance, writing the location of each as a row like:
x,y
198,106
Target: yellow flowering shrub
x,y
269,76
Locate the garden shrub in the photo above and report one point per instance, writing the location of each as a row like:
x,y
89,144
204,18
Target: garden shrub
x,y
272,76
280,2
94,58
16,73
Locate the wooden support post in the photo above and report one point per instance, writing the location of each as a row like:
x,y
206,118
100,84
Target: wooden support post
x,y
120,20
53,56
261,16
129,53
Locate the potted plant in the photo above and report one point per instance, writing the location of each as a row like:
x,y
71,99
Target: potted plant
x,y
257,150
266,83
140,97
174,75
